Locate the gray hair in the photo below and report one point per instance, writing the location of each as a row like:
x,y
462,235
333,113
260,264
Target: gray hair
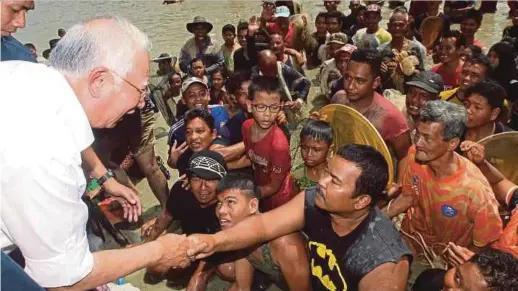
x,y
88,45
399,10
453,117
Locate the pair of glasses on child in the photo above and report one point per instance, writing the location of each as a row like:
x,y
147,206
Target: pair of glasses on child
x,y
274,108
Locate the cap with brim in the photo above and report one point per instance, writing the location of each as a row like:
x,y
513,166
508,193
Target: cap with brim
x,y
282,11
162,57
348,48
192,80
429,81
196,21
207,165
373,8
338,38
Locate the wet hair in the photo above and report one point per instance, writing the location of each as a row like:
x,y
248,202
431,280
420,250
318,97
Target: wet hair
x,y
498,268
236,80
221,70
374,169
30,46
490,90
430,280
265,84
370,57
242,25
475,15
460,40
61,32
475,49
451,115
242,182
334,14
194,60
202,114
320,15
319,130
229,27
481,59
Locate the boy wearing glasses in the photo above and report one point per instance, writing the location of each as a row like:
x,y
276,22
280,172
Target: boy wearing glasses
x,y
266,145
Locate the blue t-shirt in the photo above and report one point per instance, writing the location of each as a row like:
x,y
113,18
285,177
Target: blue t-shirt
x,y
230,133
177,130
13,50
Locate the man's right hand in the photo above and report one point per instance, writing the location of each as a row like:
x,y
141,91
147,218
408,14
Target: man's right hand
x,y
253,25
176,152
475,152
174,253
201,246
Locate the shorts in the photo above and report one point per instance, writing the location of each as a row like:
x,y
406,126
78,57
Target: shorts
x,y
147,137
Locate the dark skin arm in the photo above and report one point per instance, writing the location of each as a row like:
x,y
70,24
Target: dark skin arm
x,y
271,189
230,153
387,277
155,227
400,201
252,230
240,163
201,276
401,144
291,256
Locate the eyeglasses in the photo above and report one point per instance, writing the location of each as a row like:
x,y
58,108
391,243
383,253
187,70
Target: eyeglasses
x,y
143,92
274,108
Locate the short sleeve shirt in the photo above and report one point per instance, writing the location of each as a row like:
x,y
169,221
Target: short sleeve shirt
x,y
451,79
386,118
460,208
271,160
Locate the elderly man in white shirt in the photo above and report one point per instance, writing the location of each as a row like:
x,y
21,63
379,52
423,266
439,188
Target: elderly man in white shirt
x,y
98,73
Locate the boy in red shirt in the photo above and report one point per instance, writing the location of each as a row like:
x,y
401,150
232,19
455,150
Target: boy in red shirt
x,y
266,145
450,48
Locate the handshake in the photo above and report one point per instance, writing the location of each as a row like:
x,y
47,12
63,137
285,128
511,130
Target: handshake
x,y
179,251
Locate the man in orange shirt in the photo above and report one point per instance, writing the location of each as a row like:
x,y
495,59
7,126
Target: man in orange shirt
x,y
446,197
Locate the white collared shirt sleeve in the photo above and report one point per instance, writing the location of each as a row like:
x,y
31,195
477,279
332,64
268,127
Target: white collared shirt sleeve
x,y
44,129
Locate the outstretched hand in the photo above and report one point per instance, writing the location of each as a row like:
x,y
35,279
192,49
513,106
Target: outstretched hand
x,y
127,197
174,253
200,246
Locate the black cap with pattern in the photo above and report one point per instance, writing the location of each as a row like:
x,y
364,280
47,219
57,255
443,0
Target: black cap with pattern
x,y
207,165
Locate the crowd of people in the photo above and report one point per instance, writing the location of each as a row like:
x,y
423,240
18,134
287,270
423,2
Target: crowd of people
x,y
248,214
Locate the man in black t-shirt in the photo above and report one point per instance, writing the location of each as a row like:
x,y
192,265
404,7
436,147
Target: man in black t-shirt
x,y
353,246
194,208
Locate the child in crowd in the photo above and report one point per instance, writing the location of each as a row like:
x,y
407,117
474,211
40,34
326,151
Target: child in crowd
x,y
198,69
469,27
217,90
316,139
372,35
230,46
266,145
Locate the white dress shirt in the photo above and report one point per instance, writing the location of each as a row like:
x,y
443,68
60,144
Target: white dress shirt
x,y
43,130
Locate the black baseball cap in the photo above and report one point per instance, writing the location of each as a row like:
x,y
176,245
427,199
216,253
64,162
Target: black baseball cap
x,y
207,165
428,81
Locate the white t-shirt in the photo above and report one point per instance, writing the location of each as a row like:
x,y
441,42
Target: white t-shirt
x,y
43,129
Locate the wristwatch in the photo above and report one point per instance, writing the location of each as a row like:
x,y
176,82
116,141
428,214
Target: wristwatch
x,y
109,174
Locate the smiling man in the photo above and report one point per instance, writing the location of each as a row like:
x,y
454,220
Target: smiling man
x,y
201,46
14,17
352,245
451,45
